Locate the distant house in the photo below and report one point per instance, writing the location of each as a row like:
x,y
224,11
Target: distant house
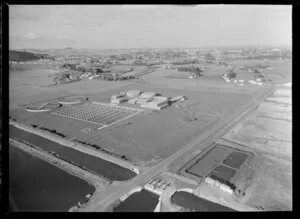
x,y
252,82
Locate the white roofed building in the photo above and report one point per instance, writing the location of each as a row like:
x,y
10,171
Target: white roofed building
x,y
157,103
148,94
133,93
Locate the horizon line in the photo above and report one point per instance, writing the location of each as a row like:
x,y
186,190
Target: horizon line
x,y
153,47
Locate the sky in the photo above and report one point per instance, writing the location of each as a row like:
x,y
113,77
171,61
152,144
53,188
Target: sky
x,y
136,26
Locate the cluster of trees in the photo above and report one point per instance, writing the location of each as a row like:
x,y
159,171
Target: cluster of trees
x,y
259,75
110,77
65,78
195,70
262,66
256,71
101,149
91,145
270,57
195,61
209,57
24,56
102,73
223,63
82,69
70,66
231,74
53,131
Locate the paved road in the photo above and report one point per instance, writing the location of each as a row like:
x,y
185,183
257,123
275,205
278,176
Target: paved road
x,y
104,199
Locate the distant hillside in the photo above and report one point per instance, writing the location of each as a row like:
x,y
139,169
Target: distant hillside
x,y
26,56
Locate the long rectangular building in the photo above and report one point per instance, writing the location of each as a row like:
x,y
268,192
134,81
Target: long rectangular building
x,y
157,103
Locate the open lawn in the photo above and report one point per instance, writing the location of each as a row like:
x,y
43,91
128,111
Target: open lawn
x,y
269,129
35,85
272,190
280,72
150,136
210,82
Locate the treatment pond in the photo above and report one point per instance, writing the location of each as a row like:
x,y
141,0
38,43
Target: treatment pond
x,y
194,203
143,201
93,164
35,185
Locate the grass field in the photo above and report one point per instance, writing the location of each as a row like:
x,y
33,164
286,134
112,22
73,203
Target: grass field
x,y
35,85
269,129
210,82
150,136
281,72
272,190
155,135
268,132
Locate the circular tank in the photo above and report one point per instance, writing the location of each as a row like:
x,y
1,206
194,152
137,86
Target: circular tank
x,y
71,100
41,107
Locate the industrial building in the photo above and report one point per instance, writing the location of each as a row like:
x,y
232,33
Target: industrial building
x,y
133,100
133,93
178,98
256,83
148,94
219,185
252,82
143,100
157,103
149,100
118,98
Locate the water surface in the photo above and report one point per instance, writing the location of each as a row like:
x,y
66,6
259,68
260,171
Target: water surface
x,y
194,203
93,164
143,201
35,185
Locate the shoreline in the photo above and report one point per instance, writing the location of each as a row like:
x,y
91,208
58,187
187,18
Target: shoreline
x,y
76,146
98,183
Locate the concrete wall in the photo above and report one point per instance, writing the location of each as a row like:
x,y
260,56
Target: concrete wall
x,y
156,191
158,206
124,197
186,190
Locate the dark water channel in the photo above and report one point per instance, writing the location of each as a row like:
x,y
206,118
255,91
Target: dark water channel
x,y
93,164
142,201
194,203
35,185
